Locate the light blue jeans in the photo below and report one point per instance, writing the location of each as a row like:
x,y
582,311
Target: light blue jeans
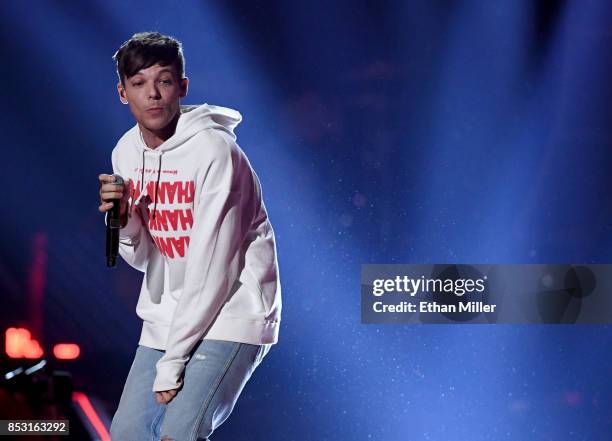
x,y
213,380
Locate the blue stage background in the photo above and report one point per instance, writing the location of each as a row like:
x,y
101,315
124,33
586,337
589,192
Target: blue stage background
x,y
382,132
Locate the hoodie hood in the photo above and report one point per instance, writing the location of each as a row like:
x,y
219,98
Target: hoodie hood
x,y
193,119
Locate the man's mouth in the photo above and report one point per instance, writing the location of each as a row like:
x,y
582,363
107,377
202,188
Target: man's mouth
x,y
154,110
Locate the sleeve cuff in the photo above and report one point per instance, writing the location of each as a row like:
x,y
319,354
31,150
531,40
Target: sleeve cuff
x,y
168,376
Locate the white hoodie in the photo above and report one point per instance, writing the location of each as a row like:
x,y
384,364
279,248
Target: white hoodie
x,y
199,230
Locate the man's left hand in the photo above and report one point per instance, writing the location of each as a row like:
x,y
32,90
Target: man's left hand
x,y
164,397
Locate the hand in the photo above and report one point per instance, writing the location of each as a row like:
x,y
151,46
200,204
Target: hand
x,y
109,191
164,397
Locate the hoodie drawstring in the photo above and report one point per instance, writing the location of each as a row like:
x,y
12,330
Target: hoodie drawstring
x,y
143,165
157,185
156,181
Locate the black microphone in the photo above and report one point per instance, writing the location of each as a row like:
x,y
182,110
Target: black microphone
x,y
113,224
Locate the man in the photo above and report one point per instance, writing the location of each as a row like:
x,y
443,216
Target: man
x,y
193,220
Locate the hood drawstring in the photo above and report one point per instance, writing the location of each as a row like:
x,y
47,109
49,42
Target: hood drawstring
x,y
143,167
156,181
141,182
157,184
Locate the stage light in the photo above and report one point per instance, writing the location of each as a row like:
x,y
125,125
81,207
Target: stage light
x,y
20,344
66,351
97,426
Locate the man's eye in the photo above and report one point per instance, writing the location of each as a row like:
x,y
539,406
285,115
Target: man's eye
x,y
166,81
138,84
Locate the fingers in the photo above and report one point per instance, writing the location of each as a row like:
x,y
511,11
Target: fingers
x,y
105,206
162,398
104,178
169,395
109,191
108,185
107,196
165,397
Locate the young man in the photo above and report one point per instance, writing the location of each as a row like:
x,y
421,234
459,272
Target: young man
x,y
193,220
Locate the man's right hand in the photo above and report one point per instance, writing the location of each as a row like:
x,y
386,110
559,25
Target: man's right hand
x,y
109,191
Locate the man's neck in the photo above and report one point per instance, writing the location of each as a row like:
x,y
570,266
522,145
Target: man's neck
x,y
155,138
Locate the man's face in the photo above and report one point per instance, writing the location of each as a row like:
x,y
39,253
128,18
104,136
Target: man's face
x,y
154,95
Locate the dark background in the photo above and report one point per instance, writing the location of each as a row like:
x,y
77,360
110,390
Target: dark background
x,y
382,132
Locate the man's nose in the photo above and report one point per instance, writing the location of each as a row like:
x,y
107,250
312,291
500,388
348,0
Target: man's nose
x,y
153,92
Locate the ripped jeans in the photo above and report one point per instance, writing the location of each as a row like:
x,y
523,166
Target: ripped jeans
x,y
213,380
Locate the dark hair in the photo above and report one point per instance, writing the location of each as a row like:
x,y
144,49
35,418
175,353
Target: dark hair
x,y
146,49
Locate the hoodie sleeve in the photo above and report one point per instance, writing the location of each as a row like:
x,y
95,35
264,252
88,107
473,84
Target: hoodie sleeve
x,y
135,243
221,221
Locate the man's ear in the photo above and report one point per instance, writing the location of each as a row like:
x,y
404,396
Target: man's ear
x,y
122,94
184,87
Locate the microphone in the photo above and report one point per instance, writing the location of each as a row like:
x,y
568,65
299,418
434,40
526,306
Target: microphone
x,y
113,225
